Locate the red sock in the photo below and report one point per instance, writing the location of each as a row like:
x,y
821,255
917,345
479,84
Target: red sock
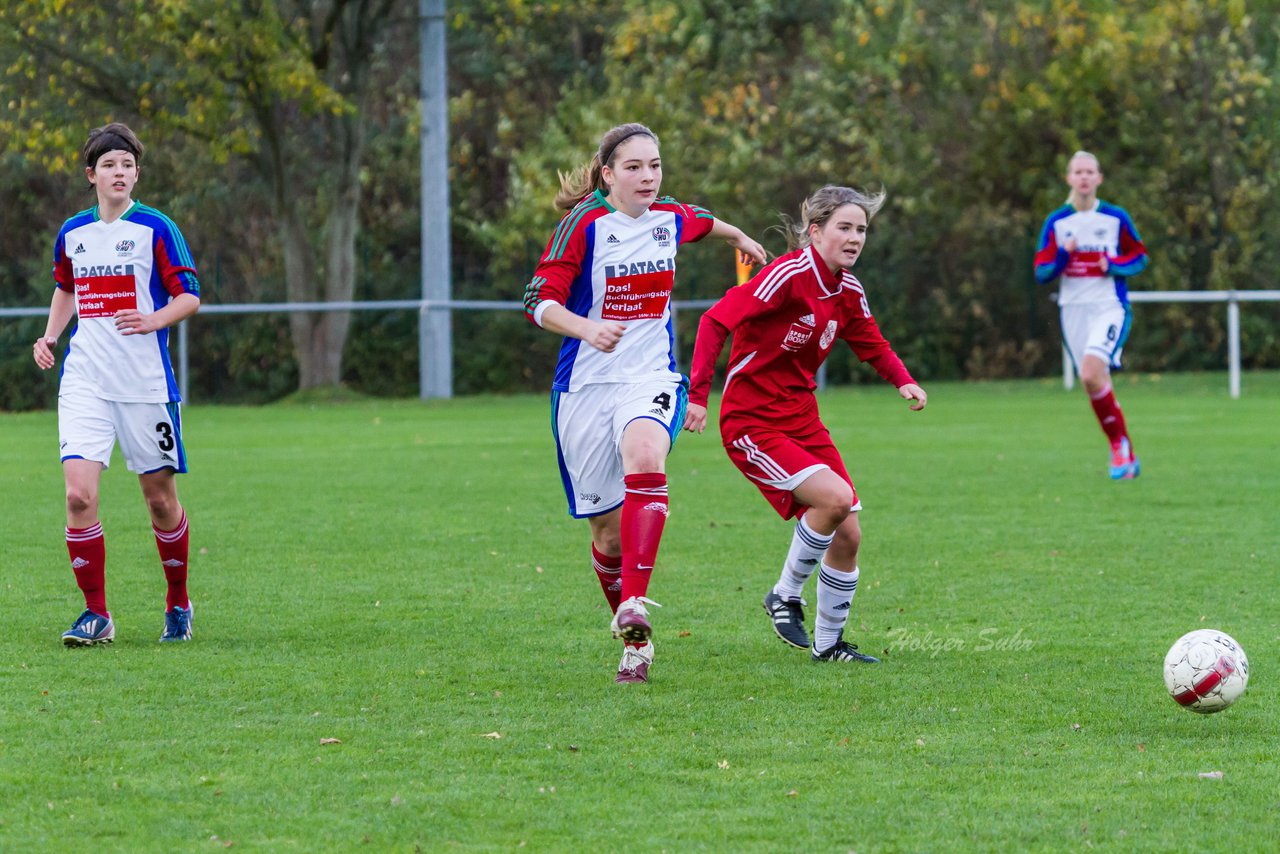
x,y
88,551
609,570
644,513
173,548
1109,415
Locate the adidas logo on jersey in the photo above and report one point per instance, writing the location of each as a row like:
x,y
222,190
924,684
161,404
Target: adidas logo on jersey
x,y
613,238
809,320
79,249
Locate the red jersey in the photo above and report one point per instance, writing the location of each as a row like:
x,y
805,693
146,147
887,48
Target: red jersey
x,y
784,322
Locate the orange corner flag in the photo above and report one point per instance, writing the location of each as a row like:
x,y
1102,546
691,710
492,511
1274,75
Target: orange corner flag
x,y
744,268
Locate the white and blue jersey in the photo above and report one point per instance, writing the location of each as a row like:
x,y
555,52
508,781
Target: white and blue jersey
x,y
1104,231
139,261
607,266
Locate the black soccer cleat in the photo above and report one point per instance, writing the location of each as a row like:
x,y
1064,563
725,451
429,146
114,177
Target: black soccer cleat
x,y
788,619
842,650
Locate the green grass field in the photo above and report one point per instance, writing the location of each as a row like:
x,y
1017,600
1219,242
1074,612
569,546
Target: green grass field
x,y
403,577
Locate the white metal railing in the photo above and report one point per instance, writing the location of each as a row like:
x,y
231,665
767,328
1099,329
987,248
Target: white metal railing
x,y
1231,298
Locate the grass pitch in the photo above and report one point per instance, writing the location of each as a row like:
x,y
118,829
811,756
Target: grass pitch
x,y
400,645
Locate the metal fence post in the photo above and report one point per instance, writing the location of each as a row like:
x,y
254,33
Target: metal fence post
x,y
435,326
184,362
1233,344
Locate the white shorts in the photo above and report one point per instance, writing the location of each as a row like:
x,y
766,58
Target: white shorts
x,y
588,426
1096,329
150,434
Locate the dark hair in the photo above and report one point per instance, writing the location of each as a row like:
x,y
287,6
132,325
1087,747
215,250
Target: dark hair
x,y
588,177
111,137
819,207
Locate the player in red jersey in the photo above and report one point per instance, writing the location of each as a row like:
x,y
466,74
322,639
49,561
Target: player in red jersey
x,y
124,271
618,403
784,322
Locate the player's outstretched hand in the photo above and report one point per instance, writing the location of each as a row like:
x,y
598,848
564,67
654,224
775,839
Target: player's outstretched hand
x,y
130,321
42,352
605,336
749,250
911,391
695,418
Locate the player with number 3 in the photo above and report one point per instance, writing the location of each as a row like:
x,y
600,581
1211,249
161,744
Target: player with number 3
x,y
618,403
124,271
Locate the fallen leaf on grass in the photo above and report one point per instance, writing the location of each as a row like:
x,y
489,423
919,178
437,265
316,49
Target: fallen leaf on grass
x,y
494,735
1075,727
723,764
574,748
331,741
682,634
1142,748
793,794
1211,775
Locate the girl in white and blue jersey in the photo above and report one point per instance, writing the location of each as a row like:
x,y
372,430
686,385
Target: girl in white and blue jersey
x,y
1093,248
124,271
618,402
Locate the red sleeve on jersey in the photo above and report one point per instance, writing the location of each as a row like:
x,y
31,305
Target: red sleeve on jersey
x,y
177,279
865,339
560,264
695,222
1131,249
739,305
63,273
706,350
698,223
890,367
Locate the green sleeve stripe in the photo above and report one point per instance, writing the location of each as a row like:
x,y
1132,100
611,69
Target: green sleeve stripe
x,y
567,225
184,258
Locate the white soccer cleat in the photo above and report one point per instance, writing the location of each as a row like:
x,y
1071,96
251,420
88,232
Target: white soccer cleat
x,y
635,663
631,622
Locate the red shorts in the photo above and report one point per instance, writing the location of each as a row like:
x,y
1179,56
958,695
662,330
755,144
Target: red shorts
x,y
777,463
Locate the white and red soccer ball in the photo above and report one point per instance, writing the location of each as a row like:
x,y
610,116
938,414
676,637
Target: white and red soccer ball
x,y
1206,671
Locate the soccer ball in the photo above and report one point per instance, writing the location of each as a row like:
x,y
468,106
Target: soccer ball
x,y
1206,671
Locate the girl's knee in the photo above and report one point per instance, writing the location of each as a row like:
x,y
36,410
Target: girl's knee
x,y
80,500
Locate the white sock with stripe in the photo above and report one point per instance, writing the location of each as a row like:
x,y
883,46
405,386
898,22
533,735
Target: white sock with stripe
x,y
807,548
835,599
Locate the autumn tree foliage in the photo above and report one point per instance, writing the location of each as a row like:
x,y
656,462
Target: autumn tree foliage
x,y
286,137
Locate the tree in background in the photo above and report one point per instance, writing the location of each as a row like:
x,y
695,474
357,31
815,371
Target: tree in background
x,y
286,87
964,110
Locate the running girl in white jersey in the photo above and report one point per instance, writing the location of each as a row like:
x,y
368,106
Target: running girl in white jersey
x,y
125,272
618,403
1095,248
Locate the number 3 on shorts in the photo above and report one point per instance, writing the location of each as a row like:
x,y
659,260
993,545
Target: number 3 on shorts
x,y
165,429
